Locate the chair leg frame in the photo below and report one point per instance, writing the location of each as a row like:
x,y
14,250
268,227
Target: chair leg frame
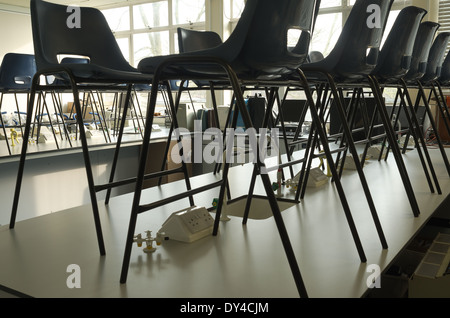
x,y
434,127
419,139
89,174
265,178
351,146
392,141
413,131
3,124
442,103
119,141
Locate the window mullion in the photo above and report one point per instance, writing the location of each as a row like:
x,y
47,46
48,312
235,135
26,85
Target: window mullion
x,y
171,26
130,37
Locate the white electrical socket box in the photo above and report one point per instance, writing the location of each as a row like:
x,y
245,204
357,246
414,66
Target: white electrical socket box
x,y
316,178
188,225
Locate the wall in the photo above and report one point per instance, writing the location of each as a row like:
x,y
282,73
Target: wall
x,y
431,6
15,35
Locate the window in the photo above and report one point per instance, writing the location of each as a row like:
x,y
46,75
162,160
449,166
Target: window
x,y
149,29
331,19
232,12
444,17
326,32
188,11
118,18
150,44
151,15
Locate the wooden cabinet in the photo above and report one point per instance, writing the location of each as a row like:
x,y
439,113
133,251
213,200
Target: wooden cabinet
x,y
155,162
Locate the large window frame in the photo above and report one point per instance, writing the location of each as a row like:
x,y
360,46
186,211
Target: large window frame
x,y
444,18
126,37
135,38
343,7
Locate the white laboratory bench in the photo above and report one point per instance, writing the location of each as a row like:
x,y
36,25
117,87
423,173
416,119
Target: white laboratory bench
x,y
241,261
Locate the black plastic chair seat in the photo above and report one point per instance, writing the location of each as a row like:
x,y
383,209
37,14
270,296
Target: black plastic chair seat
x,y
84,72
214,72
91,73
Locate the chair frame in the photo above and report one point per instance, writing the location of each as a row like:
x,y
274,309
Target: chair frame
x,y
121,80
165,72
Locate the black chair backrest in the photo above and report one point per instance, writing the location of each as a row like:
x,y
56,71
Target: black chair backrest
x,y
193,40
57,81
53,37
422,45
315,56
436,57
444,79
357,48
266,46
17,71
396,54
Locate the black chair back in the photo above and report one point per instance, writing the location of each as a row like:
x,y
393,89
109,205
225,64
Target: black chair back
x,y
436,57
357,49
421,50
396,53
53,37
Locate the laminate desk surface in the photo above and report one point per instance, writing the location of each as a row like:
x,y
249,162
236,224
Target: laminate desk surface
x,y
242,261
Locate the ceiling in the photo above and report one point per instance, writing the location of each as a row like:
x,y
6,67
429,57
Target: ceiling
x,y
84,3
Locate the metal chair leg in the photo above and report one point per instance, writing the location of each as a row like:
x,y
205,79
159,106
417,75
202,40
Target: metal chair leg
x,y
25,138
119,141
419,140
433,125
394,146
349,139
339,187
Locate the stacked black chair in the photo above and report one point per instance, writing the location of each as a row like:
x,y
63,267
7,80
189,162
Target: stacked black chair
x,y
246,56
395,65
417,68
107,67
353,59
429,80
